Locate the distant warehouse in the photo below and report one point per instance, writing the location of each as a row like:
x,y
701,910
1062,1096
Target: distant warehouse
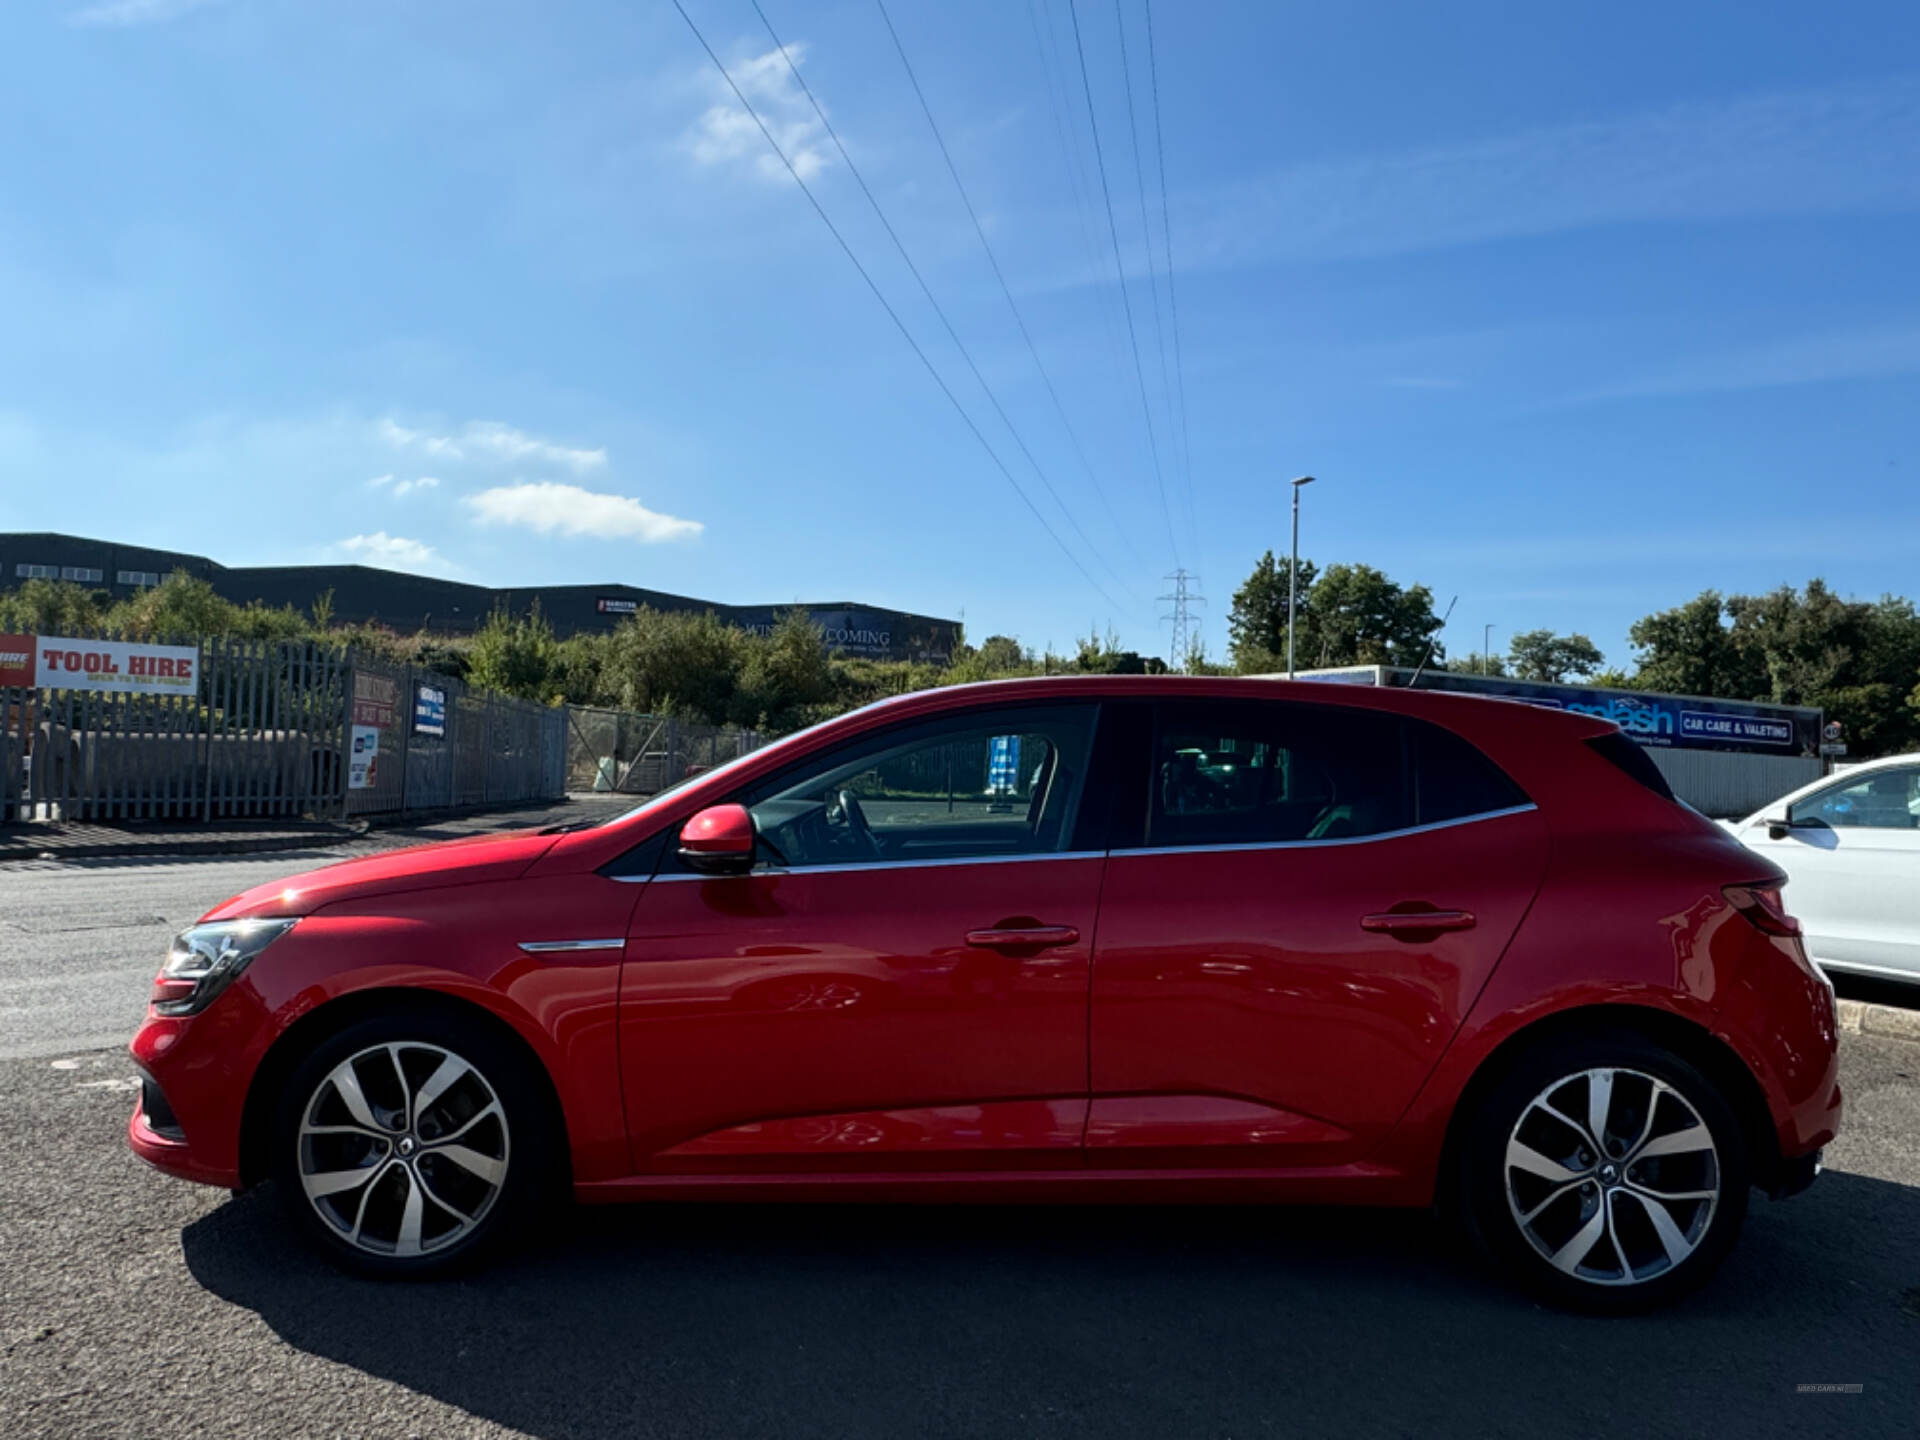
x,y
1723,757
362,594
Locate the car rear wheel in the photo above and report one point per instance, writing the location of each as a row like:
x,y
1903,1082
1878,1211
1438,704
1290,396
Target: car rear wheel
x,y
1606,1173
410,1145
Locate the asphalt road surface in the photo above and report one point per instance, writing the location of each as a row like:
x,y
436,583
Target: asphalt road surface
x,y
133,1305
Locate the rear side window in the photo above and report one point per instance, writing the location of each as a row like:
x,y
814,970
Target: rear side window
x,y
1453,780
1623,754
1251,773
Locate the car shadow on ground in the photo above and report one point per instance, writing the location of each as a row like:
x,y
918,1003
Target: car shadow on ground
x,y
1166,1321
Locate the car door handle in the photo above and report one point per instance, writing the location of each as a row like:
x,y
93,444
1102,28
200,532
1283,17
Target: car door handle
x,y
1417,922
1026,937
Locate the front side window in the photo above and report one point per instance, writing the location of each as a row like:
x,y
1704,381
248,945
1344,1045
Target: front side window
x,y
1885,800
994,783
1257,773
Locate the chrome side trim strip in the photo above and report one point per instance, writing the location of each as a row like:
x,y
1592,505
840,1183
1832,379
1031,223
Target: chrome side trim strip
x,y
559,947
1324,844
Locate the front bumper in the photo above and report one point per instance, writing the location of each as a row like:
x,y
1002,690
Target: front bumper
x,y
195,1072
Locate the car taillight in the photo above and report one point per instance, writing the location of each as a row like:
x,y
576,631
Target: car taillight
x,y
1763,908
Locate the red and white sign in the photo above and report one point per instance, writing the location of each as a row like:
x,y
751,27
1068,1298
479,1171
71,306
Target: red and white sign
x,y
118,665
16,660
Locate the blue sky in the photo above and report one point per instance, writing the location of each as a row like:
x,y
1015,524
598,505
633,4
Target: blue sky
x,y
1574,310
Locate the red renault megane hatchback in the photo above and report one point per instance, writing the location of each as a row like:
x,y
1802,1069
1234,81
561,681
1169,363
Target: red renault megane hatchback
x,y
1071,939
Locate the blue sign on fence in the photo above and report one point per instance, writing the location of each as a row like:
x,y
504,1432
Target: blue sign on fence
x,y
430,711
1003,765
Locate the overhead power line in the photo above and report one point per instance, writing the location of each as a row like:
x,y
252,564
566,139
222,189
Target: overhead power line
x,y
892,314
927,290
1173,299
999,275
1113,232
1146,226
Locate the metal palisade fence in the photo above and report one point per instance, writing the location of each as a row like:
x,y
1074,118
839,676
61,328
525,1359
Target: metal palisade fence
x,y
420,740
232,729
103,729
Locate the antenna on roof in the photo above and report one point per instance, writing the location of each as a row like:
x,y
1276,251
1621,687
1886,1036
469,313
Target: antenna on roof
x,y
1421,667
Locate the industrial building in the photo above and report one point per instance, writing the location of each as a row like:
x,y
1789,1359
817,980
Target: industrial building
x,y
1723,757
408,603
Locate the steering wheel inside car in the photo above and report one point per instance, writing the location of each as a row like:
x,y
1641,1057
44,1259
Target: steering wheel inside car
x,y
855,819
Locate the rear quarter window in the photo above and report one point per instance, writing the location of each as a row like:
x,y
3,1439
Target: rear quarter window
x,y
1453,780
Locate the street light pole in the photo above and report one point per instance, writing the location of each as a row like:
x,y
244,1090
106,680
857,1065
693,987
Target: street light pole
x,y
1486,649
1293,571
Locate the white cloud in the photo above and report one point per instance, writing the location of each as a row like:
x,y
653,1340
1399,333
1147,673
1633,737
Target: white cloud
x,y
380,548
548,508
487,440
399,488
123,13
726,134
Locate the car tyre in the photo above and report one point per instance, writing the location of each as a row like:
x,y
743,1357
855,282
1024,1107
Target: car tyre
x,y
1627,1219
413,1145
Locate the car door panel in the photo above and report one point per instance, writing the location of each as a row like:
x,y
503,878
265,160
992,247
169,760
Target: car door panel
x,y
1247,973
836,994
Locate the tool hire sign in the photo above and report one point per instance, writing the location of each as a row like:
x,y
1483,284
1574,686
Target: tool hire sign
x,y
54,662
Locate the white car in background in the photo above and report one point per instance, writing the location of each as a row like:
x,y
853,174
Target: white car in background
x,y
1850,845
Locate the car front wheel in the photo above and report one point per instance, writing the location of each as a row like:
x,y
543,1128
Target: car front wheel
x,y
1606,1173
409,1145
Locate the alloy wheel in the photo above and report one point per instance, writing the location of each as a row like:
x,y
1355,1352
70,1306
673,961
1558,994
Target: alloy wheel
x,y
403,1148
1612,1176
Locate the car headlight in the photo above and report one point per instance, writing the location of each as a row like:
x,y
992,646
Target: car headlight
x,y
205,958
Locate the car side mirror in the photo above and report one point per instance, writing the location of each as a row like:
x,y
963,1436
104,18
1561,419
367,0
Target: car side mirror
x,y
1777,826
719,841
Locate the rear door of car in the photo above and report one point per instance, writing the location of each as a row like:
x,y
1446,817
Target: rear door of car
x,y
1302,903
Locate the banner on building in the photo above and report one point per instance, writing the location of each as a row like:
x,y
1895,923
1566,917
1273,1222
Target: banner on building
x,y
125,666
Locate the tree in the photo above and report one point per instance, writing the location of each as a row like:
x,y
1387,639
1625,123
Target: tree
x,y
1360,617
1543,655
1098,654
52,607
787,680
1257,623
515,655
1001,652
675,663
1854,660
1688,651
1476,663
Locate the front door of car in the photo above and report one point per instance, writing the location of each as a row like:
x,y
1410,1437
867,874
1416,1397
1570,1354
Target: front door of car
x,y
1293,930
901,980
1852,857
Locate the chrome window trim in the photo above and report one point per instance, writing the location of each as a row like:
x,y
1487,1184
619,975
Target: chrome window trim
x,y
1338,840
897,865
1098,854
557,947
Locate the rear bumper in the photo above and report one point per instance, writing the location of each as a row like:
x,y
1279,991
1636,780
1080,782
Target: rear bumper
x,y
1795,1175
